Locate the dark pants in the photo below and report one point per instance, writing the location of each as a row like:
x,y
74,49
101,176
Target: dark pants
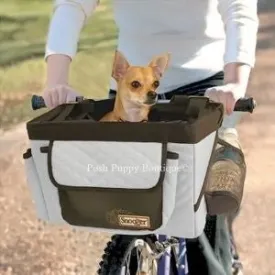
x,y
197,88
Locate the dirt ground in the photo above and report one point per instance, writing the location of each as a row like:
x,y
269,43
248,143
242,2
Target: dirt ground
x,y
29,247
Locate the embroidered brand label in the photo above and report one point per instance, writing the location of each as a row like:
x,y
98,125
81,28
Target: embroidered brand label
x,y
134,221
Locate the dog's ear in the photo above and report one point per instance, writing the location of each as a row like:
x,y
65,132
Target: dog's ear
x,y
120,66
160,63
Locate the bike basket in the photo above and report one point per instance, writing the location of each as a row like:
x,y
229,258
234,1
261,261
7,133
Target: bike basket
x,y
123,177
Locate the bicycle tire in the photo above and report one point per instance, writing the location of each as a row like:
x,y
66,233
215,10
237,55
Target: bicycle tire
x,y
112,258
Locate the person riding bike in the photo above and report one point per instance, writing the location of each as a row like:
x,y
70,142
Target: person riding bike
x,y
212,45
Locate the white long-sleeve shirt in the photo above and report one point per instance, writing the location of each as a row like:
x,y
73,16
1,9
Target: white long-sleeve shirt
x,y
201,35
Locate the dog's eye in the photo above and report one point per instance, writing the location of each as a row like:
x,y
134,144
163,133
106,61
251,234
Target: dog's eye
x,y
135,84
156,84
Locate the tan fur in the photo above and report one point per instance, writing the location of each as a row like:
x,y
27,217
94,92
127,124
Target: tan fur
x,y
133,103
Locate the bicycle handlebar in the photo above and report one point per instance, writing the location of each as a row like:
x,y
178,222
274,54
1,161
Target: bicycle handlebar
x,y
242,105
38,102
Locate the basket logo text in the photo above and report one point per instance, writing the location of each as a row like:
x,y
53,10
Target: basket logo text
x,y
134,221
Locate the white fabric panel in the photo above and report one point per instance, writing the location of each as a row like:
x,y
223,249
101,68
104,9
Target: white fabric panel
x,y
202,154
35,189
49,190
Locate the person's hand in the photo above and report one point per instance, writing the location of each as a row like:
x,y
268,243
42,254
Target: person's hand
x,y
59,94
227,94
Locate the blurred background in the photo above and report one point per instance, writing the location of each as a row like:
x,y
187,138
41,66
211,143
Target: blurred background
x,y
23,29
30,247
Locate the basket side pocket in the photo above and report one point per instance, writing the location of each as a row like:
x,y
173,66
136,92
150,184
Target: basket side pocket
x,y
35,186
170,186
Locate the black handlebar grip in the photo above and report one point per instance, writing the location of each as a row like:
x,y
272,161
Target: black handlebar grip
x,y
38,102
245,105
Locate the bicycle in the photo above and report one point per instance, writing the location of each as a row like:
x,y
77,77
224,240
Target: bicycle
x,y
149,254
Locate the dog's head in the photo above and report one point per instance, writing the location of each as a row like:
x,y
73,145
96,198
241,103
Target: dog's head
x,y
139,84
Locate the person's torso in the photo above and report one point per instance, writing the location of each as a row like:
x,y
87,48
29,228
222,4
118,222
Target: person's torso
x,y
191,30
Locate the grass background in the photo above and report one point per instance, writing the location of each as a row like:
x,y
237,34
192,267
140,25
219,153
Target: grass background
x,y
23,31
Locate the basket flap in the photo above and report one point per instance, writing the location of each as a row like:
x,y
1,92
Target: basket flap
x,y
130,165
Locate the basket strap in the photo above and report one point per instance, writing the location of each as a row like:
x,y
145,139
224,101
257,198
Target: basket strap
x,y
64,114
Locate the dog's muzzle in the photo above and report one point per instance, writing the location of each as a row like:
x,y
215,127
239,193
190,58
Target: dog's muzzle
x,y
151,98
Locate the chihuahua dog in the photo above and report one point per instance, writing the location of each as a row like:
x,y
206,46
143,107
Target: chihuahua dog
x,y
136,88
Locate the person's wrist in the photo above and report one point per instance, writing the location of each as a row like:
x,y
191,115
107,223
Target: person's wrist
x,y
57,70
237,76
235,85
54,84
57,79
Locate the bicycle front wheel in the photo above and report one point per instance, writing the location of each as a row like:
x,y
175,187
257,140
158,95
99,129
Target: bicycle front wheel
x,y
132,255
126,255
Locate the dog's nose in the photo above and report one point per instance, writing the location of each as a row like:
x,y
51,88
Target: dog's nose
x,y
151,95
